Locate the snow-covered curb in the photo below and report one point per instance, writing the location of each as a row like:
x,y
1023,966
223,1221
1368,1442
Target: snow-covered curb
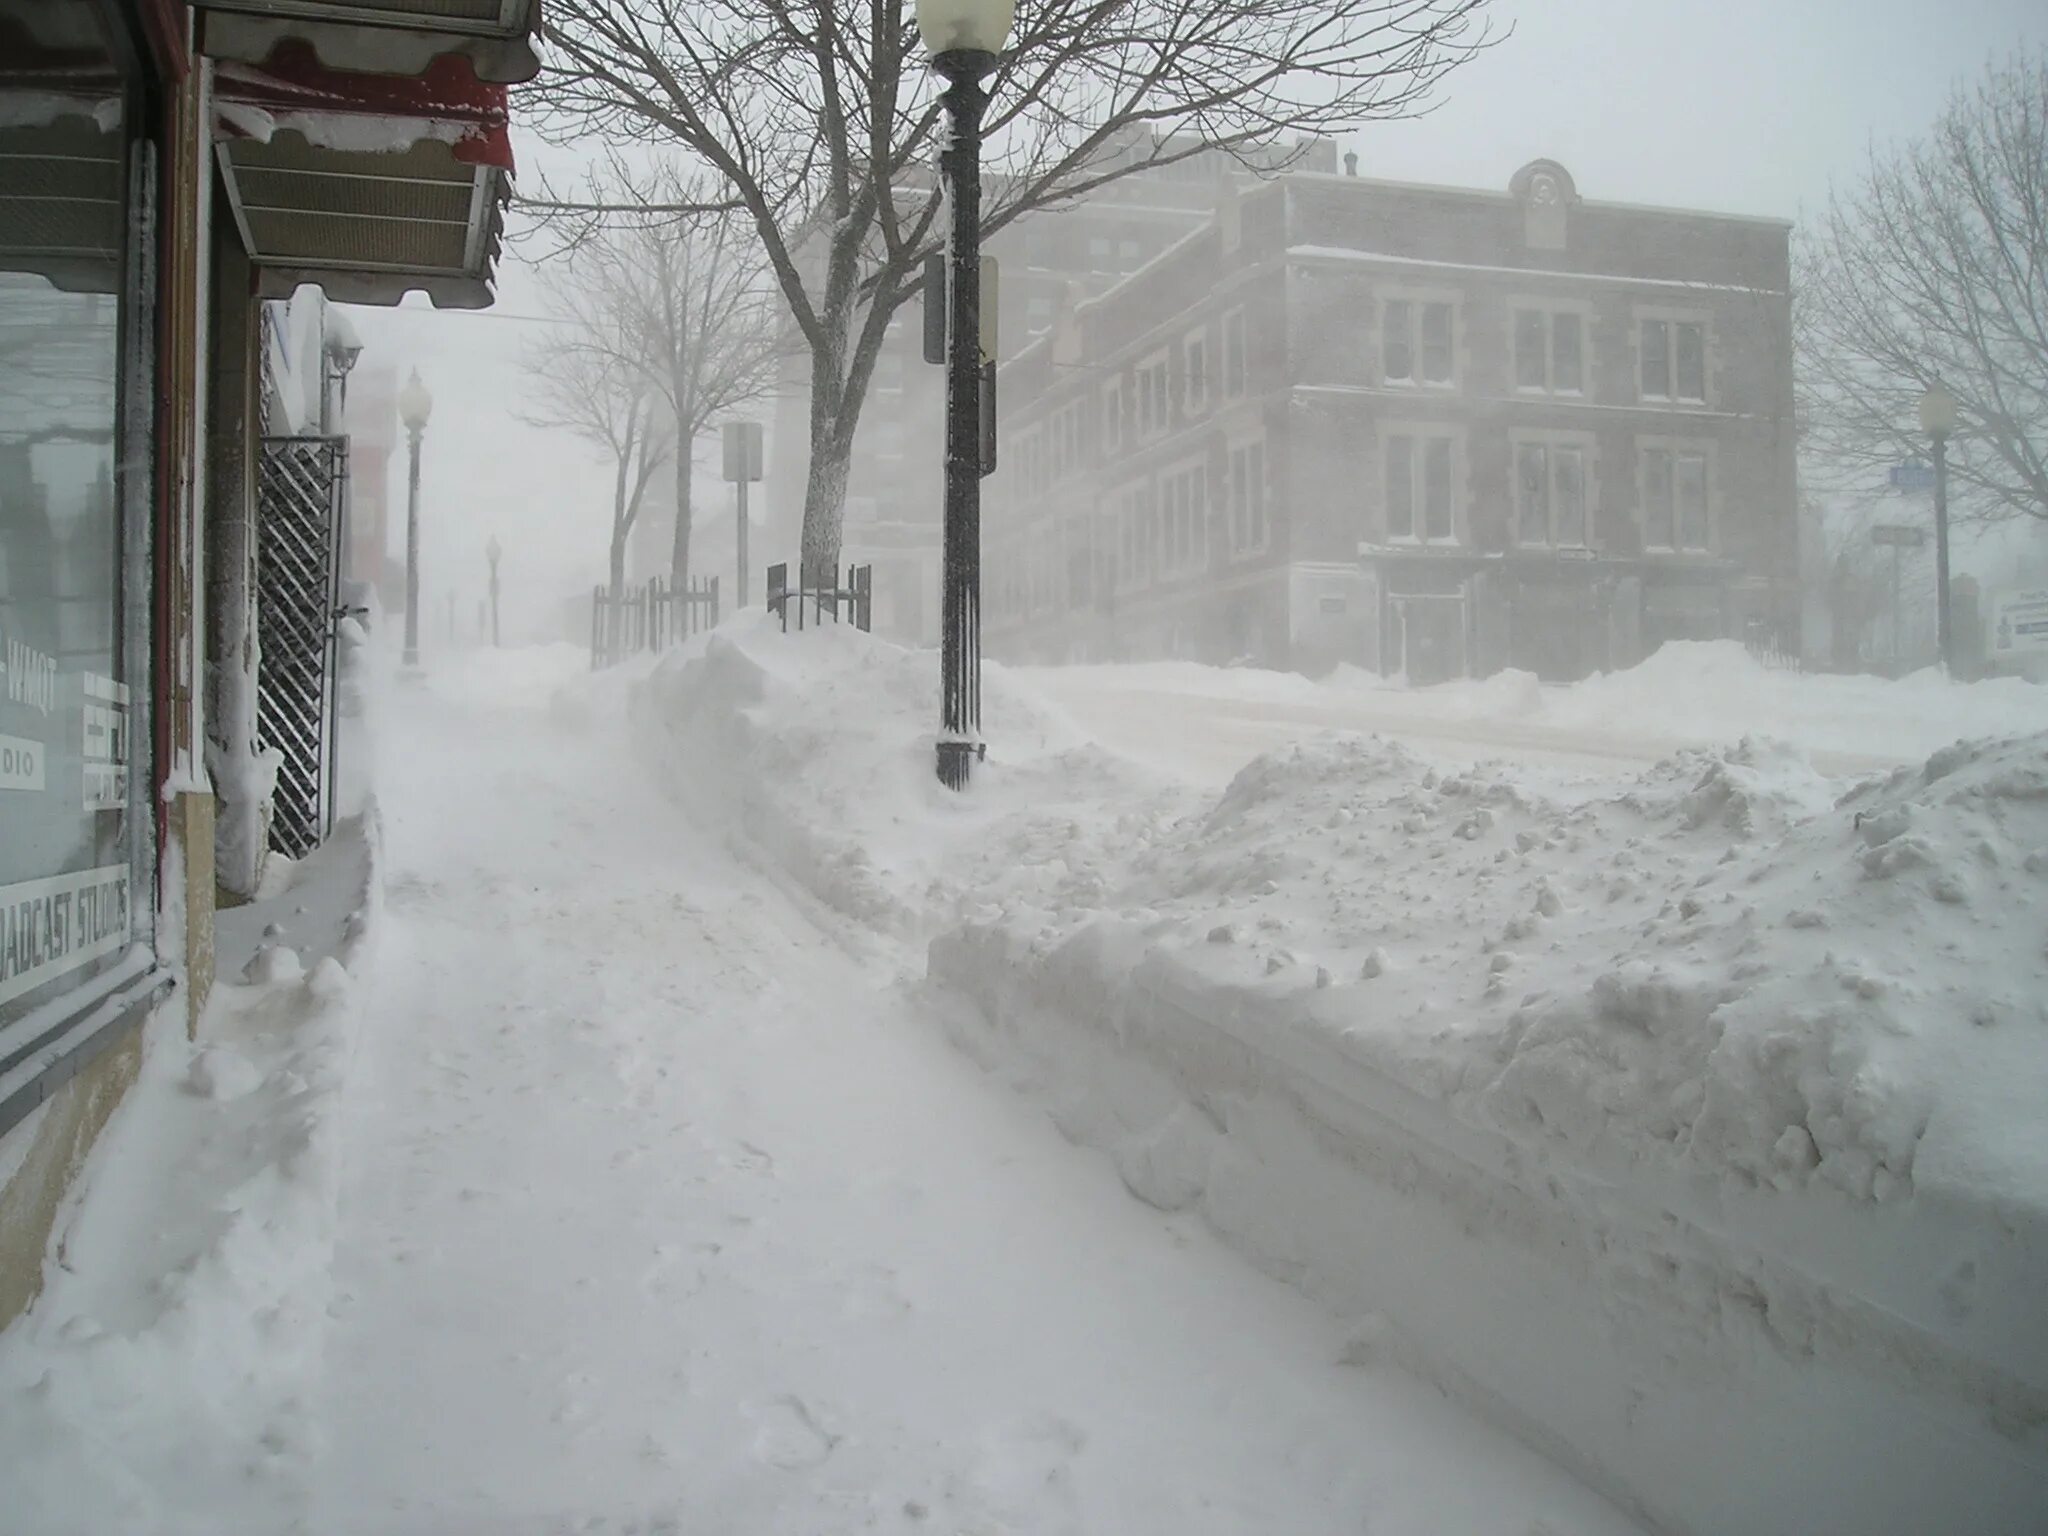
x,y
186,1295
1685,1128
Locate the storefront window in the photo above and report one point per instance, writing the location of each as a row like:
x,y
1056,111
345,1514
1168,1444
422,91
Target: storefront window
x,y
66,747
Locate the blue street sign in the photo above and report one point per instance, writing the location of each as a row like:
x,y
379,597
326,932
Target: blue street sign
x,y
1913,475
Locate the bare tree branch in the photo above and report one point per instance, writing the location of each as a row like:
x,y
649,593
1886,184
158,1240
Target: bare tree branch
x,y
1933,268
818,119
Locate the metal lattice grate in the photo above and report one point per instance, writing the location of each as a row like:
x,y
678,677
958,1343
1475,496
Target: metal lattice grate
x,y
299,509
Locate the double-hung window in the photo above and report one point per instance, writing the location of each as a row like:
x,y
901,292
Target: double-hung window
x,y
1152,410
1550,351
1673,354
1195,372
1246,495
1551,485
1420,471
1417,339
1675,489
1234,368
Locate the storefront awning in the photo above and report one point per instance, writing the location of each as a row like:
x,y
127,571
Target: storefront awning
x,y
370,186
382,37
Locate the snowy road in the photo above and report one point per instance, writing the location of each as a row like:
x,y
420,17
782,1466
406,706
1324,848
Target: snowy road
x,y
666,1213
1207,735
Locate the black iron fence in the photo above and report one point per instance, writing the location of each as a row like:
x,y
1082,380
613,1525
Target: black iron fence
x,y
853,603
651,617
1774,645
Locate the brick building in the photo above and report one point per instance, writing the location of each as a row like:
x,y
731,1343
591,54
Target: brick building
x,y
1048,260
1426,430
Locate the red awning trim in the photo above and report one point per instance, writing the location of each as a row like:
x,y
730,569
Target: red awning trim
x,y
376,49
167,24
367,113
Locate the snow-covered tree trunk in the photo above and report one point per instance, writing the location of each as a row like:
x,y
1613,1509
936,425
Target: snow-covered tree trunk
x,y
679,548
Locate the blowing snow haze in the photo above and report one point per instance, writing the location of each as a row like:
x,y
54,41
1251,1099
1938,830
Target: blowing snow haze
x,y
1410,900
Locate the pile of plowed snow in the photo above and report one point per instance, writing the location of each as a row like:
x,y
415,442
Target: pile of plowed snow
x,y
1716,963
1724,1062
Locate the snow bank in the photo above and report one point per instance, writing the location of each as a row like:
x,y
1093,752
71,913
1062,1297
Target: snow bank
x,y
186,1291
819,747
1690,1128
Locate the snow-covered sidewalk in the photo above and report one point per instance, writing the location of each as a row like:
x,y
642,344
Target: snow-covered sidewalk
x,y
666,1213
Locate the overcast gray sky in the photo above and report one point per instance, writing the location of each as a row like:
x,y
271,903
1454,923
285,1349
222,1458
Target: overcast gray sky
x,y
1746,106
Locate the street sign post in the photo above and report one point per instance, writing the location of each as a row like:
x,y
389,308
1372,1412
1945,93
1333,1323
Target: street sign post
x,y
1914,476
742,444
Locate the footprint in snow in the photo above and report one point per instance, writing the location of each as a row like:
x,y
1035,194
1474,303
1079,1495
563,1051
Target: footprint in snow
x,y
1022,1479
787,1434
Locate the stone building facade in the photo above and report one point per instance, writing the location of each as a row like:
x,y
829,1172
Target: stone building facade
x,y
1425,430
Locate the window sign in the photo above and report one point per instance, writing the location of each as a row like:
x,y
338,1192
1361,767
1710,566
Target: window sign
x,y
67,833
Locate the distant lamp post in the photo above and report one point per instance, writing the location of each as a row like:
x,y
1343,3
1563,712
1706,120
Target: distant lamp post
x,y
414,406
492,551
963,38
1937,420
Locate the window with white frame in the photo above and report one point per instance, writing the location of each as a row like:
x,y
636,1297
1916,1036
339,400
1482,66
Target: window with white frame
x,y
1245,494
1551,491
1113,416
1184,520
1234,364
1674,359
1416,341
1080,569
1550,350
1675,498
1134,534
1421,467
1028,454
1195,372
1152,411
1063,430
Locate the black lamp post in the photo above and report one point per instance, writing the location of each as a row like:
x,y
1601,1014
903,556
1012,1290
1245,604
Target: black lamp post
x,y
964,38
414,404
1937,420
492,552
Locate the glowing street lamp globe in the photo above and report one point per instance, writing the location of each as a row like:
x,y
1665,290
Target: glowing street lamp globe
x,y
965,26
1937,412
414,404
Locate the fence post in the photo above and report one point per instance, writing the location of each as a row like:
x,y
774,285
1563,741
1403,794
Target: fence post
x,y
714,602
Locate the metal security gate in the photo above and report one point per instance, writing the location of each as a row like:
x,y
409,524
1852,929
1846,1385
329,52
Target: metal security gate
x,y
300,494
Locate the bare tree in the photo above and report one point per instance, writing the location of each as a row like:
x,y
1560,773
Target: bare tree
x,y
1933,267
589,380
688,305
818,118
